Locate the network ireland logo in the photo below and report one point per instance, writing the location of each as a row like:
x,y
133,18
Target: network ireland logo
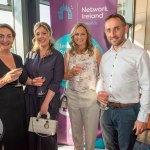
x,y
64,9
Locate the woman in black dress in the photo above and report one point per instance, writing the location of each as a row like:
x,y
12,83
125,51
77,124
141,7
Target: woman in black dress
x,y
12,107
44,65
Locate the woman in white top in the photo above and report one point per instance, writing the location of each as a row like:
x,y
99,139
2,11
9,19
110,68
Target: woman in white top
x,y
81,70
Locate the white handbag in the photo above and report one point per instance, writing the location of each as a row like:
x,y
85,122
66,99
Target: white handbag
x,y
43,126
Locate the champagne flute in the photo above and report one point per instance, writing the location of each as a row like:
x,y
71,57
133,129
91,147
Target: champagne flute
x,y
18,71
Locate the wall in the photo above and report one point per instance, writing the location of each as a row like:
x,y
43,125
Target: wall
x,y
142,23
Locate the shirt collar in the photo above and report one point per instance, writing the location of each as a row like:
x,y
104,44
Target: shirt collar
x,y
126,45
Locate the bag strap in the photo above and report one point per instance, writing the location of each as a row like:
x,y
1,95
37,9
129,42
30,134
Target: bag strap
x,y
39,115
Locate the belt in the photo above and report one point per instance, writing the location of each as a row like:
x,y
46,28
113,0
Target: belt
x,y
112,104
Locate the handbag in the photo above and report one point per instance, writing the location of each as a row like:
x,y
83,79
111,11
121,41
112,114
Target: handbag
x,y
63,100
43,126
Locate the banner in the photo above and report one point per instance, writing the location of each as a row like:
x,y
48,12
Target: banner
x,y
64,15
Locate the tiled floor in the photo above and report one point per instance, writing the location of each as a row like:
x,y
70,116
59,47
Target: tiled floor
x,y
62,147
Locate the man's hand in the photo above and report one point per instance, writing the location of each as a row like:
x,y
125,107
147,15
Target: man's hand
x,y
139,127
103,97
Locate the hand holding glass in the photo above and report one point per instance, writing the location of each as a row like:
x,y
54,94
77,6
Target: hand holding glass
x,y
79,69
40,81
103,98
17,73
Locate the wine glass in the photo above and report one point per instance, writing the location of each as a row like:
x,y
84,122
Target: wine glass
x,y
80,66
18,84
18,71
41,91
103,107
105,95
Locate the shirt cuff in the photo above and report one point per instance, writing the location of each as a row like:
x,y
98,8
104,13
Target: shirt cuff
x,y
143,117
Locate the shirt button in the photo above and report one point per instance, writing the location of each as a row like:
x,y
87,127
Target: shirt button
x,y
113,65
111,75
110,86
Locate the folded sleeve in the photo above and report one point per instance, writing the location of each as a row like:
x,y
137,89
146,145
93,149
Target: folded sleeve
x,y
58,74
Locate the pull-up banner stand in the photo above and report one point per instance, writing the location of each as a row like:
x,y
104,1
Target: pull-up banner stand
x,y
64,15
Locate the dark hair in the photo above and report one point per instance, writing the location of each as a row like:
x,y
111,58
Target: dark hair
x,y
117,16
48,29
4,25
89,45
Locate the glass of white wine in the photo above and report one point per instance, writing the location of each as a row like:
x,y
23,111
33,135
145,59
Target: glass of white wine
x,y
79,77
104,95
18,71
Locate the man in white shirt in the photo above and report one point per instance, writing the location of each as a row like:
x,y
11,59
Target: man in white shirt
x,y
123,88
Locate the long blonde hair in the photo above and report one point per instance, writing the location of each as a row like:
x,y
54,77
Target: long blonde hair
x,y
89,46
48,29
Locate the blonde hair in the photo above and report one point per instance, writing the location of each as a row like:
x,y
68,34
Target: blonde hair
x,y
48,29
89,46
